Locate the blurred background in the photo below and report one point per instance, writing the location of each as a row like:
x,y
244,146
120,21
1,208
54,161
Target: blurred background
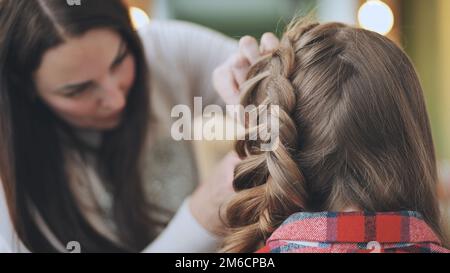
x,y
421,27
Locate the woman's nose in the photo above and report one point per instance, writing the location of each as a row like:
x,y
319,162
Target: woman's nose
x,y
112,97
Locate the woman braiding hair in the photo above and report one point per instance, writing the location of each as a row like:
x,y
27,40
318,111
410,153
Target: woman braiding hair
x,y
355,151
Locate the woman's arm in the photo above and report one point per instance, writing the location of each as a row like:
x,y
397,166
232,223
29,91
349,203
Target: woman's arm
x,y
186,53
184,234
205,51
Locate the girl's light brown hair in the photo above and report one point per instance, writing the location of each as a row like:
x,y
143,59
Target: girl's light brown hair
x,y
354,132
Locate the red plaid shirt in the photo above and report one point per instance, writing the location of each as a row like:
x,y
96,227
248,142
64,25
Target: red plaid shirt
x,y
353,232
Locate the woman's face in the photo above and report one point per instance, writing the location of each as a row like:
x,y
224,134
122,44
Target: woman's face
x,y
86,80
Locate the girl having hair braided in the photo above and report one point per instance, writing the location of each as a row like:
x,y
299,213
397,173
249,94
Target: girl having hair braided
x,y
354,160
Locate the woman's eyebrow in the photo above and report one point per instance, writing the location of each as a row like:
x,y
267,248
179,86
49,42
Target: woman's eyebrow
x,y
74,86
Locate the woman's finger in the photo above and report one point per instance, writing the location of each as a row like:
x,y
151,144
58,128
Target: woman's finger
x,y
240,69
248,46
269,43
225,84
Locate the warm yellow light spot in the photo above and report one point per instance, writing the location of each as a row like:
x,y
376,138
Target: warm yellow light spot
x,y
377,16
139,18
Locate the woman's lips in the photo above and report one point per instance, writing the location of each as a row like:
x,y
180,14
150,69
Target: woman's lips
x,y
114,116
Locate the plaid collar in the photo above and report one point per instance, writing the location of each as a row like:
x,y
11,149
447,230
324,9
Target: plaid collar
x,y
353,228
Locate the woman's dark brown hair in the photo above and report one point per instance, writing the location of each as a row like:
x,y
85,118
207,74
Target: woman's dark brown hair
x,y
31,149
354,133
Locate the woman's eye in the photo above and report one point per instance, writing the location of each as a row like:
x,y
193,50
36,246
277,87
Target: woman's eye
x,y
73,94
77,92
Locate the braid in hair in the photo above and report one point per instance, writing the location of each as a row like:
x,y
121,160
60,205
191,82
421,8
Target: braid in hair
x,y
269,184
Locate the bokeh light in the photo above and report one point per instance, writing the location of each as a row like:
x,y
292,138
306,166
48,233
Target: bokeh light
x,y
139,18
377,16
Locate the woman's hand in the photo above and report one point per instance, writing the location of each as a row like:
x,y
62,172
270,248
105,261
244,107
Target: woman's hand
x,y
212,194
228,77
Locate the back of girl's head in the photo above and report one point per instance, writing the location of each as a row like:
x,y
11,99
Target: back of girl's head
x,y
354,133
